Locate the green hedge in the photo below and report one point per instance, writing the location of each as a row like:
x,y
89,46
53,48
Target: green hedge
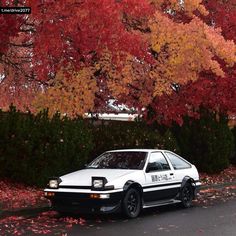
x,y
119,135
34,148
207,142
233,157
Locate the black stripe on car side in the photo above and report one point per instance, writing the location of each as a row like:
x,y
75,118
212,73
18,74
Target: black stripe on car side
x,y
160,185
158,195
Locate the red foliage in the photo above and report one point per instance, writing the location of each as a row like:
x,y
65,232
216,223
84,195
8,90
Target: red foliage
x,y
217,94
16,72
211,92
77,32
43,224
9,26
223,15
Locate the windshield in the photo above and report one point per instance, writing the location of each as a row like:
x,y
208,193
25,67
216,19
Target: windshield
x,y
120,160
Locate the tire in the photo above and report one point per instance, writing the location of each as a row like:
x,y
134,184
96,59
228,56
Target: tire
x,y
187,195
132,203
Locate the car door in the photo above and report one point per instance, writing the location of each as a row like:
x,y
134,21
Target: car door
x,y
160,179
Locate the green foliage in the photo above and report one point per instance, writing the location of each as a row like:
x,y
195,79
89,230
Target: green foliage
x,y
119,135
233,157
34,148
207,142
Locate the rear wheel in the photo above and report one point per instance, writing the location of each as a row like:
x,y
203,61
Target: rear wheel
x,y
132,203
187,195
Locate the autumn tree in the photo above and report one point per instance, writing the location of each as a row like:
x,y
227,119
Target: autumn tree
x,y
210,91
133,51
99,38
18,84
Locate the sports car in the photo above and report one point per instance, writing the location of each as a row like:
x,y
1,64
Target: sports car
x,y
126,180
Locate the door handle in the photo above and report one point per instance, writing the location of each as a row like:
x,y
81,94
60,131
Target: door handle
x,y
171,173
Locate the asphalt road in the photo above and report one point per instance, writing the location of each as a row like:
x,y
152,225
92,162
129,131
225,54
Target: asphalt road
x,y
216,220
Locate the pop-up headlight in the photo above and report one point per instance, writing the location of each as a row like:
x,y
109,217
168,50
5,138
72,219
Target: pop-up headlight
x,y
98,183
54,183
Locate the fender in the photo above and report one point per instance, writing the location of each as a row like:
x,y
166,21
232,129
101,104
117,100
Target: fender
x,y
187,179
131,183
191,180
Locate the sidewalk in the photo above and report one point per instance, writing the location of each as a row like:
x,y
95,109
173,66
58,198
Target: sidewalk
x,y
17,199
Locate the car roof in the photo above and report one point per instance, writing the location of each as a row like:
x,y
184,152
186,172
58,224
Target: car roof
x,y
136,150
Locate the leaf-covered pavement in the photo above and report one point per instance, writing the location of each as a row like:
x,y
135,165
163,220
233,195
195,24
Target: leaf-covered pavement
x,y
14,196
46,223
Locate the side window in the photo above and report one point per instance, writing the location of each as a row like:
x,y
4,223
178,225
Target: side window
x,y
157,162
177,162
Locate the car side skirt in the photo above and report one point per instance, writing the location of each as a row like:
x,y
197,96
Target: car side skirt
x,y
160,203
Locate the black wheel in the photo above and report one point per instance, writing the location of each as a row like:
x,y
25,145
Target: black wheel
x,y
187,195
132,203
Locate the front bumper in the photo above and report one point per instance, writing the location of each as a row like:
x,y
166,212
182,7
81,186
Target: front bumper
x,y
197,188
83,202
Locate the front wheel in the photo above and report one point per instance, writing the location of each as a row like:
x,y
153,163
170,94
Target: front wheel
x,y
187,195
132,203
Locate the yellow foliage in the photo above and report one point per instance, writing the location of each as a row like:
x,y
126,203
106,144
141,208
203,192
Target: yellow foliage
x,y
127,78
72,94
192,5
185,50
182,51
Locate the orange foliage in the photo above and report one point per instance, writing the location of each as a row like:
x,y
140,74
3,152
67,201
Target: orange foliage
x,y
128,79
72,93
131,50
185,50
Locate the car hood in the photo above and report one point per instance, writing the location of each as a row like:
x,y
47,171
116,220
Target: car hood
x,y
84,177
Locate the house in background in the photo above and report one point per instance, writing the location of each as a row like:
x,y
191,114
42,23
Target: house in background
x,y
115,112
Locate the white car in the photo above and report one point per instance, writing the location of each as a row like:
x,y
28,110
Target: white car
x,y
126,180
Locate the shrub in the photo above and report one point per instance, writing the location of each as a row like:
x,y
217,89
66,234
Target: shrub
x,y
233,157
207,142
34,148
120,135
